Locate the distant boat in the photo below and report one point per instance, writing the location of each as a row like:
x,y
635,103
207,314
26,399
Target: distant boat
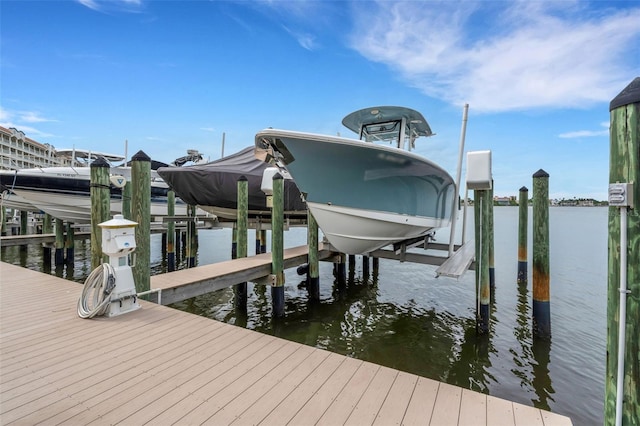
x,y
64,192
368,193
213,186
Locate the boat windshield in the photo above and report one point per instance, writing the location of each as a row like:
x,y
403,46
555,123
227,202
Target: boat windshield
x,y
387,131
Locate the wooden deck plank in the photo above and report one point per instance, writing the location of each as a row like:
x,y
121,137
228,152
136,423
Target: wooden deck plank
x,y
161,366
526,416
423,399
286,410
343,405
367,408
261,408
499,412
324,397
447,407
473,408
106,387
395,404
262,387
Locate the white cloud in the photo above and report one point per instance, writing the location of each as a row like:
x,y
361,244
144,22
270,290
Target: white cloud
x,y
530,55
118,5
586,133
33,117
583,134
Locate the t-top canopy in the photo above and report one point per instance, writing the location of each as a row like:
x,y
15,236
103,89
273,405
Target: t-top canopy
x,y
382,123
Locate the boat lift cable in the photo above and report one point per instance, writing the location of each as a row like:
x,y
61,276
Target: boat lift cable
x,y
96,293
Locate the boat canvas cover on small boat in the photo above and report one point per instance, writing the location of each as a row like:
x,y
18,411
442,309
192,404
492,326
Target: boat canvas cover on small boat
x,y
216,183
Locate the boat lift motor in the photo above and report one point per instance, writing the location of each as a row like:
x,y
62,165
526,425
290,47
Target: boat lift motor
x,y
110,289
118,241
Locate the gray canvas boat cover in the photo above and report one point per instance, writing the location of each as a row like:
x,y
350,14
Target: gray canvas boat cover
x,y
216,183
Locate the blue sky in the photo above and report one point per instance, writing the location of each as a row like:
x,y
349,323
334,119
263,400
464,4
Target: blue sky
x,y
168,76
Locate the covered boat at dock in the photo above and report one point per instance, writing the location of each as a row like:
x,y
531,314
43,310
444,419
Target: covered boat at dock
x,y
213,186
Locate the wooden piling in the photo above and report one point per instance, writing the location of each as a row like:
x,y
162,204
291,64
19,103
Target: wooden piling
x,y
492,269
3,225
482,199
126,200
365,268
277,246
69,245
141,213
240,289
59,243
171,231
622,379
523,219
541,294
263,241
24,221
100,207
192,237
47,228
313,272
234,241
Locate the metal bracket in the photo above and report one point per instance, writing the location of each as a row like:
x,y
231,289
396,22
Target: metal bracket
x,y
266,280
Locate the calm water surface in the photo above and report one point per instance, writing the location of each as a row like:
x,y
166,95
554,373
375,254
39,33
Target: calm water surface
x,y
406,319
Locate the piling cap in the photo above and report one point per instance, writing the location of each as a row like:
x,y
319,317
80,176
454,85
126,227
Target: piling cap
x,y
100,162
140,156
277,176
540,174
524,189
629,95
242,178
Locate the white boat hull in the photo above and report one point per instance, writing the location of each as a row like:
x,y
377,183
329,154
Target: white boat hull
x,y
77,208
362,231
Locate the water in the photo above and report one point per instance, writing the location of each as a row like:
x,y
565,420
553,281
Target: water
x,y
406,319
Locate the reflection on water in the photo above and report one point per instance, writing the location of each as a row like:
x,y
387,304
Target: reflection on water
x,y
402,317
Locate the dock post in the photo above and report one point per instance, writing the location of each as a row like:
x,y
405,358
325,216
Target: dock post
x,y
313,272
240,289
100,207
3,225
351,261
47,228
192,237
481,201
523,224
69,245
365,268
541,294
263,241
622,379
126,200
277,249
59,243
492,269
257,242
376,266
234,241
24,221
141,213
171,231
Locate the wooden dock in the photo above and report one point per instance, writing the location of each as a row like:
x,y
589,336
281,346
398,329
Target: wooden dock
x,y
158,365
187,283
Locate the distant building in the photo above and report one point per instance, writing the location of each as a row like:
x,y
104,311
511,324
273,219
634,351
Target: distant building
x,y
19,152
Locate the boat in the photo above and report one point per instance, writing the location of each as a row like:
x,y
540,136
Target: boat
x,y
370,192
64,192
213,186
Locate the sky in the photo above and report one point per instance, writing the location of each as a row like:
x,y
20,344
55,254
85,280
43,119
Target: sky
x,y
168,76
